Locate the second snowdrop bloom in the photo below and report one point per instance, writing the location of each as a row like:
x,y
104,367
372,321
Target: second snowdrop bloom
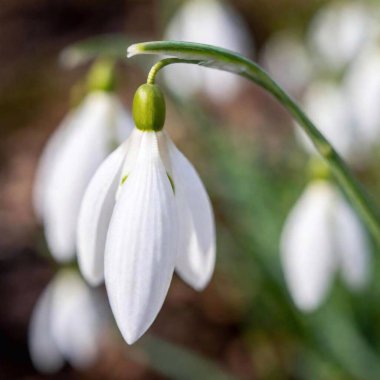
x,y
83,140
65,325
144,214
321,236
211,22
350,23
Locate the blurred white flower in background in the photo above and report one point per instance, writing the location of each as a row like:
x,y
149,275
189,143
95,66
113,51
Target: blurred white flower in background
x,y
362,84
65,325
339,31
210,22
148,212
327,106
73,153
322,235
287,60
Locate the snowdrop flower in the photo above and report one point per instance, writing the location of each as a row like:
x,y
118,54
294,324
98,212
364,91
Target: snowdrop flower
x,y
286,58
73,153
210,22
321,236
144,214
362,83
65,325
339,31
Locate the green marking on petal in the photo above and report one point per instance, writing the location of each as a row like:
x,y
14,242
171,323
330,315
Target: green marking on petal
x,y
123,180
171,182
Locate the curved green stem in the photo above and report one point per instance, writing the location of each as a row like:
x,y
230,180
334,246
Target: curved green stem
x,y
222,59
165,62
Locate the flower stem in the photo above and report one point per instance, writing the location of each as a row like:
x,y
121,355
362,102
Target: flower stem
x,y
165,62
222,59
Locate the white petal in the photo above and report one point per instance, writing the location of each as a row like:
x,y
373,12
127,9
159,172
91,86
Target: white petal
x,y
141,243
132,150
350,23
46,162
82,152
363,89
307,250
352,246
44,351
75,323
196,256
95,214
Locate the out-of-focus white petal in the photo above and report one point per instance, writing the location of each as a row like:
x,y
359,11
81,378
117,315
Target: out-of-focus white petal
x,y
75,325
287,60
124,122
326,105
351,24
210,22
44,352
307,251
95,214
196,255
363,88
351,246
141,243
47,160
87,145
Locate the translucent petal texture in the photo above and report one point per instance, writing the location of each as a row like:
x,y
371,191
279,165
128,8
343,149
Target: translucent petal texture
x,y
196,255
141,243
75,323
211,22
351,24
351,246
79,155
307,251
44,351
95,215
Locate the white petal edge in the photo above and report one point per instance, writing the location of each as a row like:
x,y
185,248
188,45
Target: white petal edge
x,y
95,215
44,351
196,251
352,246
141,243
306,247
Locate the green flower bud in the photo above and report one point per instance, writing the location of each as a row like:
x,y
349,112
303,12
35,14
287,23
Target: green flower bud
x,y
149,108
102,76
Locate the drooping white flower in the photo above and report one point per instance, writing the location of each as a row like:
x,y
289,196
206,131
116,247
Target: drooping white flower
x,y
322,235
210,22
65,325
73,153
339,31
144,214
